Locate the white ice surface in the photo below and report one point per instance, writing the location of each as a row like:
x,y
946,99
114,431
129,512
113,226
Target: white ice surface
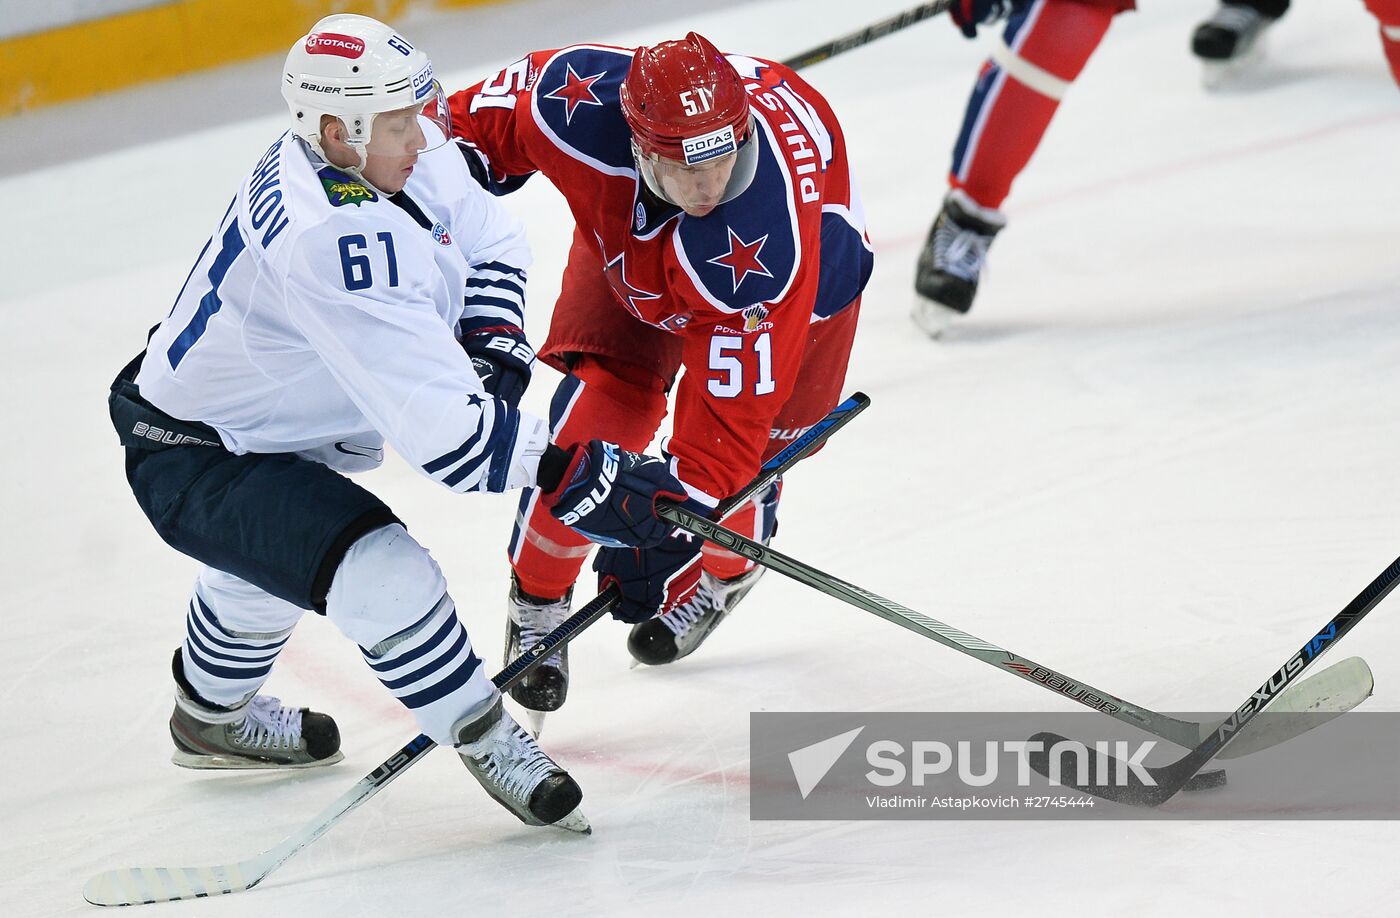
x,y
1158,455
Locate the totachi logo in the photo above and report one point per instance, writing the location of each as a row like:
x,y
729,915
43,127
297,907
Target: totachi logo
x,y
334,43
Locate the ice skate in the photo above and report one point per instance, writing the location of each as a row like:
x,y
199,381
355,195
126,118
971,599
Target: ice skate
x,y
951,262
1230,43
518,774
530,619
260,732
667,638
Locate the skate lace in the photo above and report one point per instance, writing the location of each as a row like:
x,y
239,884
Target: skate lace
x,y
269,725
958,250
684,617
537,621
511,759
1236,18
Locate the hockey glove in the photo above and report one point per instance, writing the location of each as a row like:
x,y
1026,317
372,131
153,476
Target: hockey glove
x,y
609,494
969,14
503,359
653,581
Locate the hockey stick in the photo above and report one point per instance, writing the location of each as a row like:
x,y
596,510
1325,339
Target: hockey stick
x,y
1163,782
868,34
1184,733
144,885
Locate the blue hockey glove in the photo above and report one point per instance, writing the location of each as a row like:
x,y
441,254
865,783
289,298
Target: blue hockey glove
x,y
609,494
654,580
503,359
969,14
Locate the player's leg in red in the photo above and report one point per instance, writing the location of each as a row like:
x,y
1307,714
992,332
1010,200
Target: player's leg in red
x,y
726,577
618,373
1040,54
1388,14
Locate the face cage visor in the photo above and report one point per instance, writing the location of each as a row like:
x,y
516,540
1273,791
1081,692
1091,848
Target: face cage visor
x,y
691,186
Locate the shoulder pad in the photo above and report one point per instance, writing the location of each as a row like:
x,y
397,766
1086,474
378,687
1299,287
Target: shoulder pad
x,y
576,104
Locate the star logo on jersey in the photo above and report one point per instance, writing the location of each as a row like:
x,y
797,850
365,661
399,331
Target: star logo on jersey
x,y
742,258
576,91
627,292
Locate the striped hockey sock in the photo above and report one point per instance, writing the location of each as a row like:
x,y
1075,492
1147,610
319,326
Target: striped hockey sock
x,y
223,666
430,667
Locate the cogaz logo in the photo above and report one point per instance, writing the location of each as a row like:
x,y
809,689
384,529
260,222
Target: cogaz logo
x,y
334,43
423,82
709,146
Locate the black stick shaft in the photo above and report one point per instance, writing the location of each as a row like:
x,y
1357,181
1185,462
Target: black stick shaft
x,y
868,34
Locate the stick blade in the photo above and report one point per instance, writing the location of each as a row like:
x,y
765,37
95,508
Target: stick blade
x,y
1104,776
1325,696
146,885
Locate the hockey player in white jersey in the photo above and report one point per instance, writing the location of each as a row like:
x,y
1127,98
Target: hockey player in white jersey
x,y
360,289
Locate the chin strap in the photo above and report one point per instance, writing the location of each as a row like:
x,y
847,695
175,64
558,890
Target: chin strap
x,y
324,161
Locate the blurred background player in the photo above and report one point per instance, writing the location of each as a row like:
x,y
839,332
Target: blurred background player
x,y
351,285
1229,39
1044,46
716,230
1043,49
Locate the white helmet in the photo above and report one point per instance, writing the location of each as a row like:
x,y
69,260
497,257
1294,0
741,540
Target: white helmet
x,y
354,67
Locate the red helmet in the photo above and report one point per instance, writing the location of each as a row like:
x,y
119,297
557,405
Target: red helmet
x,y
684,101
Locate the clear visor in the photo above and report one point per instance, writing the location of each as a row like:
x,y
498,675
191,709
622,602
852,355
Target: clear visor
x,y
434,110
700,188
413,129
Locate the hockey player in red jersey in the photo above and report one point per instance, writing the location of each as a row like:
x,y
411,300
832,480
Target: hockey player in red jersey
x,y
1044,47
716,230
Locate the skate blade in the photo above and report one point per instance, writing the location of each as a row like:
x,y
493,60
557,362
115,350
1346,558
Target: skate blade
x,y
931,317
575,822
534,722
214,762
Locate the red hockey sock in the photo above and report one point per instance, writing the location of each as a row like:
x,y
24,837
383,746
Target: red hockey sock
x,y
756,520
601,399
1018,90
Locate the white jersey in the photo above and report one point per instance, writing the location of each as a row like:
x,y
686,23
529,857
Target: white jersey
x,y
322,319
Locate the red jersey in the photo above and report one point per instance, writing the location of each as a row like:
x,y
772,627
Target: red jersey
x,y
740,285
